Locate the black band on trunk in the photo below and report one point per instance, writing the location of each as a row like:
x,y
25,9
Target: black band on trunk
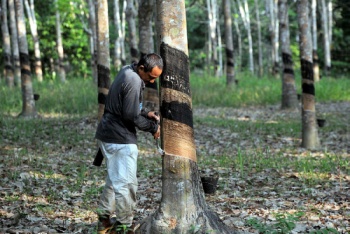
x,y
308,88
101,98
179,112
307,71
103,74
176,69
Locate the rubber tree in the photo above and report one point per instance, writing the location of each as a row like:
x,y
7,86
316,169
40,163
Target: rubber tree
x,y
131,14
260,54
244,11
28,103
14,42
119,23
230,66
103,62
314,41
60,62
6,45
289,95
93,38
182,208
146,45
326,37
310,138
29,6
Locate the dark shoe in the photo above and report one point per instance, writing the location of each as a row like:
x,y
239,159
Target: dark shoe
x,y
105,224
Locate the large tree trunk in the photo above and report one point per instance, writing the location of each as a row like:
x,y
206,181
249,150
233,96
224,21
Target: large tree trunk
x,y
146,45
258,25
34,31
314,41
182,206
230,66
93,39
14,43
131,14
6,45
326,42
60,63
103,64
28,104
310,138
289,95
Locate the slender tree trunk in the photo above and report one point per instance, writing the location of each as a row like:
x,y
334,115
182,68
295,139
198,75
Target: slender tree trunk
x,y
146,45
258,25
34,31
9,77
289,95
213,37
103,63
274,26
28,104
119,23
239,39
210,44
60,65
244,10
131,14
14,43
230,66
182,206
93,39
310,138
326,42
314,41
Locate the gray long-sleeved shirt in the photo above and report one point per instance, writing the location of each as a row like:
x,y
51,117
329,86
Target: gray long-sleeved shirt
x,y
123,110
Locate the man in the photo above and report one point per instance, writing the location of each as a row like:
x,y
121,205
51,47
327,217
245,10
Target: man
x,y
116,137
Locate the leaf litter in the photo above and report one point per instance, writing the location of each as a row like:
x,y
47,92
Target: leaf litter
x,y
49,185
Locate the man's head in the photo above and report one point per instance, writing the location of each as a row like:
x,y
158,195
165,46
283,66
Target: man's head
x,y
150,67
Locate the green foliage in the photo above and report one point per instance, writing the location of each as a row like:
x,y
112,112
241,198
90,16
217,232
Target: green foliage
x,y
283,225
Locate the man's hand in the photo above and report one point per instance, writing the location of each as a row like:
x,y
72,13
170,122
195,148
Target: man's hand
x,y
153,115
157,134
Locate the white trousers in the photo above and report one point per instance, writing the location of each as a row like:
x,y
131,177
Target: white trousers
x,y
119,193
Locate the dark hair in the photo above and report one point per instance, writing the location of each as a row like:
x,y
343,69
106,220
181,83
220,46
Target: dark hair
x,y
149,61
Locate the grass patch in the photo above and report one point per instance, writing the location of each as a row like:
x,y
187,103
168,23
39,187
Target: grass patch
x,y
252,91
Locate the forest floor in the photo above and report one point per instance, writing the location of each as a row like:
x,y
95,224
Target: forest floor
x,y
267,181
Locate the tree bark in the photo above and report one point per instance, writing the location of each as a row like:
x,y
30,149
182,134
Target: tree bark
x,y
34,31
93,39
103,64
146,45
182,208
131,14
244,10
28,104
326,43
230,66
274,26
258,25
60,63
9,77
289,95
310,138
314,41
119,45
14,43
